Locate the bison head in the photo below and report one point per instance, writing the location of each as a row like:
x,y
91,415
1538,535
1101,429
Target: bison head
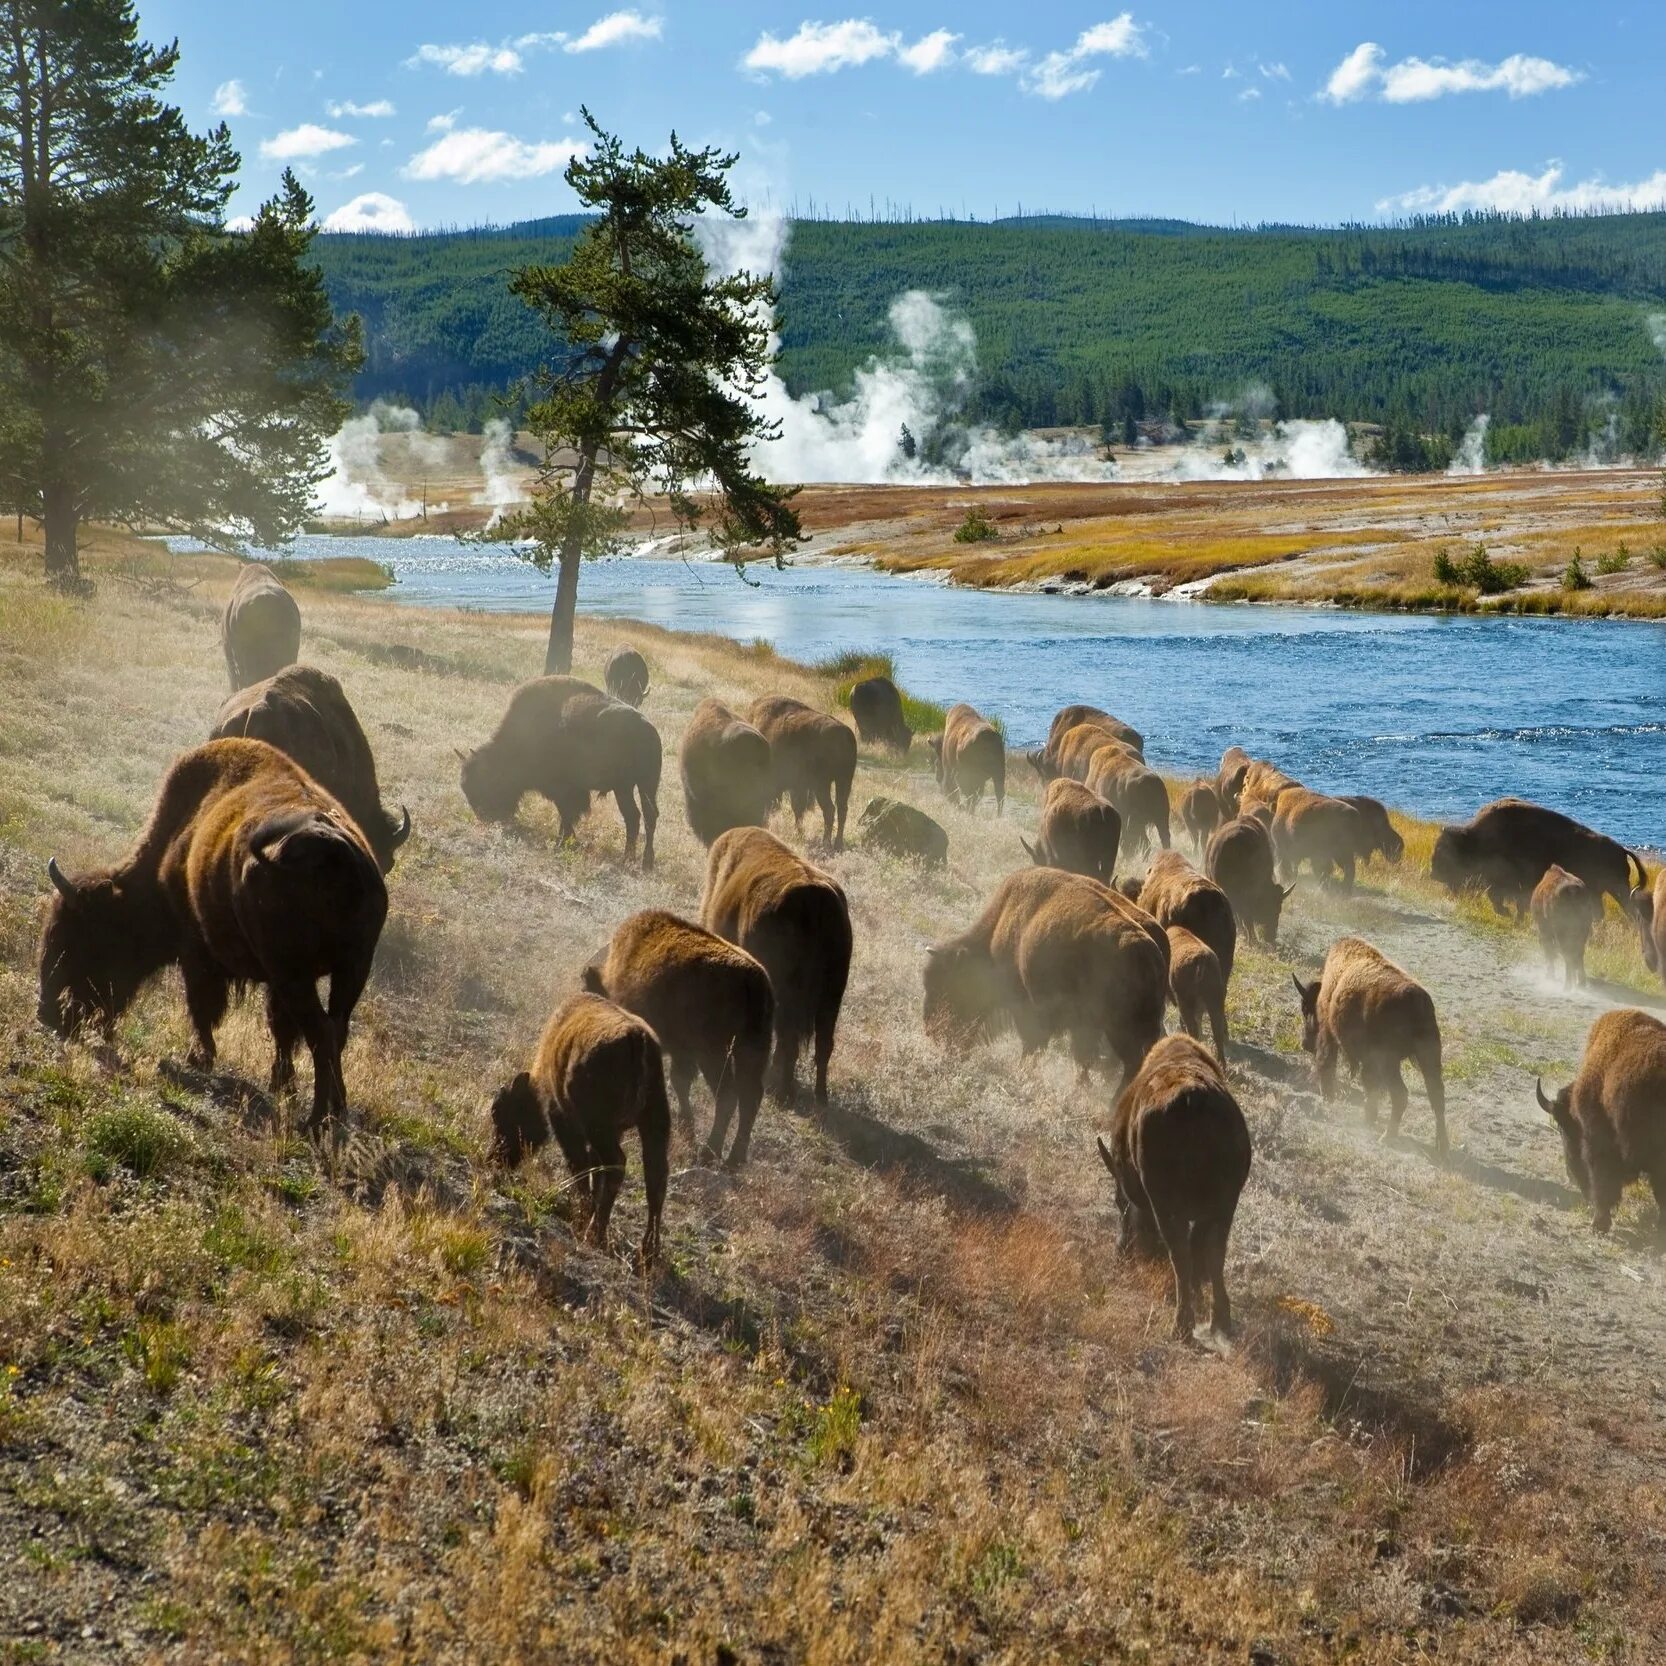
x,y
1642,909
1042,763
1277,896
935,742
961,998
489,795
1309,993
1139,1235
1446,862
94,954
1560,1111
1037,853
519,1125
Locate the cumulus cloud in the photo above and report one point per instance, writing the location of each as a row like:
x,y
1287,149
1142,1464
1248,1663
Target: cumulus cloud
x,y
930,52
1274,72
820,49
374,211
444,122
297,144
996,59
616,29
381,107
1511,191
231,98
1061,73
1249,95
469,60
478,155
1366,73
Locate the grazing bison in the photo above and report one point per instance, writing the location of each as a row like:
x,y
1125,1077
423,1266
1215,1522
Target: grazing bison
x,y
728,778
1200,812
1080,831
889,824
1174,893
1380,838
565,740
876,708
1229,778
1648,908
247,872
1324,832
1198,986
1506,847
305,714
1240,860
1262,784
1564,911
260,629
1364,1009
1613,1114
813,757
1179,1155
709,1003
625,676
1073,751
598,1071
793,919
1069,716
1138,793
1053,953
968,756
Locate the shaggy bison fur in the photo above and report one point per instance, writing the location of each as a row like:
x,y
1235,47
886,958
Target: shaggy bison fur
x,y
1326,833
1174,893
1200,812
1240,860
1138,793
625,676
1229,778
968,756
889,824
1380,837
728,778
1505,848
876,709
1079,832
1068,717
1198,986
1648,908
260,629
1564,911
813,757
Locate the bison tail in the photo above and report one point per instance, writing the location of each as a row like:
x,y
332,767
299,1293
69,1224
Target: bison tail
x,y
299,842
1642,880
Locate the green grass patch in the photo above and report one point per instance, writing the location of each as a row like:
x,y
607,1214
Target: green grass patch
x,y
143,1141
338,574
854,665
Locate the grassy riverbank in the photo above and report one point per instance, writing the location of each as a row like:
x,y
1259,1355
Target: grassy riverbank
x,y
892,1394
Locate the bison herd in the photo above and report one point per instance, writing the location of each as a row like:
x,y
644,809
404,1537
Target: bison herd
x,y
264,862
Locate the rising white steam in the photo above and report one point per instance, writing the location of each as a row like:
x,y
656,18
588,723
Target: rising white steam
x,y
500,487
1293,450
1471,455
1656,324
356,488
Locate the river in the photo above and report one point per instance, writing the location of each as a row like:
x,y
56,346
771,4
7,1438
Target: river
x,y
1435,715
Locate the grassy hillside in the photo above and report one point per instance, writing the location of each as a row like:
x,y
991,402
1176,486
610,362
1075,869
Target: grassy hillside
x,y
1541,323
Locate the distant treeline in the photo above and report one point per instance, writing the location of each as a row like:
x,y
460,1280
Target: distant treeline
x,y
1544,324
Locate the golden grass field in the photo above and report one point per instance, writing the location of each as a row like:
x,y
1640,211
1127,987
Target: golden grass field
x,y
891,1396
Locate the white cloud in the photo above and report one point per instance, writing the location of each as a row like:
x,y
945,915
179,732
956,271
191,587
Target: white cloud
x,y
820,49
477,155
374,211
469,60
1366,72
443,123
241,222
381,107
996,59
1513,192
1249,95
616,29
1061,73
1274,72
307,140
930,52
1190,69
231,98
762,118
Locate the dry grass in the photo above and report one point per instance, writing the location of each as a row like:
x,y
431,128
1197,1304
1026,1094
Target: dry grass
x,y
891,1397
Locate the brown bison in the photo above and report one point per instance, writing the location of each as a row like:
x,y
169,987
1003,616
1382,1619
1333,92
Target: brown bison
x,y
1054,954
813,757
1138,793
1240,860
1380,837
1229,778
565,740
625,676
1613,1114
1068,717
1080,831
247,872
728,778
598,1071
1179,1155
1564,911
1262,784
1200,812
260,629
305,714
1648,908
1324,832
1506,847
889,824
793,919
1072,752
876,709
1198,986
968,756
709,1003
1174,893
1364,1009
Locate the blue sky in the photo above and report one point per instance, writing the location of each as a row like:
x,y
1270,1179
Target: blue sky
x,y
421,114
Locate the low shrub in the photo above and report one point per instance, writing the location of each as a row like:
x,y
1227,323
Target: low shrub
x,y
976,528
1574,576
1479,572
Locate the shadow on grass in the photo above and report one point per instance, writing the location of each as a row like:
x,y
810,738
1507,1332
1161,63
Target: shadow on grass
x,y
253,1106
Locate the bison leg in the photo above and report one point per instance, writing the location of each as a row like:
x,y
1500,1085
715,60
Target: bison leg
x,y
1191,1018
1394,1080
1209,1259
1177,1240
581,1164
625,798
650,820
1657,1184
207,992
1345,865
1434,1085
682,1080
799,800
829,816
1324,1064
1217,1024
788,1040
285,1034
748,1090
827,1021
607,1177
307,1013
725,1092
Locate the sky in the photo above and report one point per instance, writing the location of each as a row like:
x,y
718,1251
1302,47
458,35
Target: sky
x,y
418,115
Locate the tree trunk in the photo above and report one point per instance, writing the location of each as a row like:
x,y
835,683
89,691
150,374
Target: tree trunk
x,y
558,657
61,519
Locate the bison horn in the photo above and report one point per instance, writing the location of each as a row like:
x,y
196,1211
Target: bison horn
x,y
56,875
403,831
462,756
1288,889
1104,1154
1029,850
1546,1105
1298,983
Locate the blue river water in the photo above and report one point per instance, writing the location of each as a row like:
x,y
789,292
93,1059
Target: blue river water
x,y
1434,715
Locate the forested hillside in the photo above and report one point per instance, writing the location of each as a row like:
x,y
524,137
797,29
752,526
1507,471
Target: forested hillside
x,y
1543,324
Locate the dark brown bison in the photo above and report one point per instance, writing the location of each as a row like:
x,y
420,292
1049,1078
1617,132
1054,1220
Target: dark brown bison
x,y
1200,812
248,872
889,824
1053,954
1198,986
1506,847
305,714
1648,908
728,778
625,676
1073,751
709,1003
793,919
1174,893
1240,860
565,740
876,709
1179,1155
1364,1009
260,629
1564,911
1079,832
813,757
1138,793
1325,833
1262,784
1229,778
598,1072
968,756
1612,1116
1068,717
1380,837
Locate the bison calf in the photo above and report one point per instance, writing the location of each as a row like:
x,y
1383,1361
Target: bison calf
x,y
1174,893
728,778
1080,831
1179,1155
260,629
1564,911
813,757
625,676
1198,987
889,824
876,709
1200,812
597,1072
968,756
